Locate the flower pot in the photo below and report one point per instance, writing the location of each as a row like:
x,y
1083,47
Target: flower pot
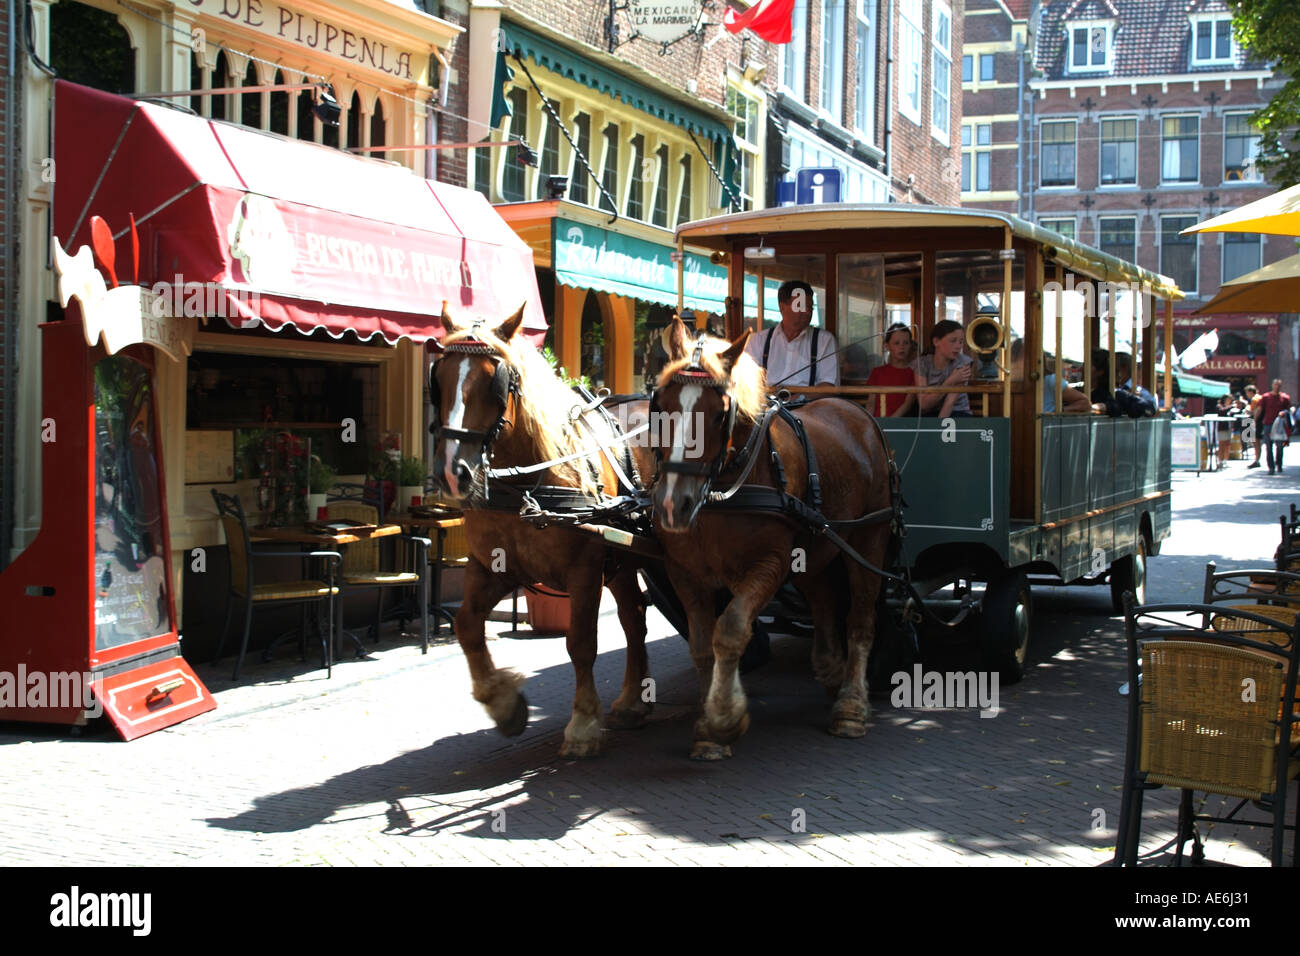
x,y
315,503
548,612
405,493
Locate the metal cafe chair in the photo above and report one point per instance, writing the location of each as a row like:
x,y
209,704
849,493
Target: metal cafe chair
x,y
242,587
1214,712
370,494
363,565
1264,592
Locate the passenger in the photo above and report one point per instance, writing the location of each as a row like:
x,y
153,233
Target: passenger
x,y
1100,393
944,364
855,366
792,353
1072,400
899,369
1124,375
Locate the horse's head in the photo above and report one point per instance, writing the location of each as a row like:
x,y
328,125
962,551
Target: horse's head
x,y
474,391
706,386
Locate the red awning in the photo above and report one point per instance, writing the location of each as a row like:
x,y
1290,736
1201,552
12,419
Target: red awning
x,y
292,233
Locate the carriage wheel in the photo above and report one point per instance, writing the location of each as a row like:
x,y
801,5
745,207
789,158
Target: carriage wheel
x,y
1005,625
1129,573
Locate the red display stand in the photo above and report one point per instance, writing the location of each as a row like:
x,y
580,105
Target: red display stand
x,y
90,600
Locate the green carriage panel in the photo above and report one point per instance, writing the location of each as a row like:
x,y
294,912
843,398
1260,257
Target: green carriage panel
x,y
956,482
1065,471
1125,454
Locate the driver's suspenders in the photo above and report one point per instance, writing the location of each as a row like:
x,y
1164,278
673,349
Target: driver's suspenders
x,y
812,370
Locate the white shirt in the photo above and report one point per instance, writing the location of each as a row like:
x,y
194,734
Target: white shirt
x,y
790,362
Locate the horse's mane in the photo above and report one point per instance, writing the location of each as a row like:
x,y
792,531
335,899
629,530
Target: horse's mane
x,y
543,411
748,383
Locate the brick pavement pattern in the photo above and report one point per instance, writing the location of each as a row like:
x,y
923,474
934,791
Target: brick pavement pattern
x,y
393,763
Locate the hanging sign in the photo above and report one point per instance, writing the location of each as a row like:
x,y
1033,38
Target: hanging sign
x,y
664,21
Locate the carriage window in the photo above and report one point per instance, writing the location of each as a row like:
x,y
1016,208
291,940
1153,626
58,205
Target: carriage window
x,y
772,273
861,314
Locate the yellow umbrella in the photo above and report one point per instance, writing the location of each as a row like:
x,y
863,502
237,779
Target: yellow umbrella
x,y
1274,288
1277,215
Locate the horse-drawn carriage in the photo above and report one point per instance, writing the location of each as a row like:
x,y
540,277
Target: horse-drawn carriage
x,y
727,490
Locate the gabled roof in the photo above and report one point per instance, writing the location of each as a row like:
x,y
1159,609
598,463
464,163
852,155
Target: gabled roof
x,y
1153,37
1019,9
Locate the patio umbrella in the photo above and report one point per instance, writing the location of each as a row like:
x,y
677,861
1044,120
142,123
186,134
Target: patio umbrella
x,y
1277,215
1274,288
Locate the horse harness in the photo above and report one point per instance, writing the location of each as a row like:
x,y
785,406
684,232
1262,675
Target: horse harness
x,y
505,383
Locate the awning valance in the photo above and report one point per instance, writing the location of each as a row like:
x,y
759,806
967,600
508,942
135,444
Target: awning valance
x,y
574,66
288,232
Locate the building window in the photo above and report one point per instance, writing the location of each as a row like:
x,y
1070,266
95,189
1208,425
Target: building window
x,y
609,177
1212,43
909,61
1240,148
865,119
1241,252
941,74
976,157
794,66
685,203
1057,159
660,214
1119,152
1118,236
1178,252
512,176
91,47
967,68
578,177
637,177
1089,47
745,109
986,67
1064,227
1180,149
832,92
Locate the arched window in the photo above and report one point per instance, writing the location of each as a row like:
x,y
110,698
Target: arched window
x,y
90,47
377,128
594,338
354,121
512,177
306,119
220,77
280,107
251,111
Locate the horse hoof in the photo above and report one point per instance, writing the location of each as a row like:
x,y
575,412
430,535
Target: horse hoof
x,y
627,719
729,734
708,750
580,749
848,727
514,725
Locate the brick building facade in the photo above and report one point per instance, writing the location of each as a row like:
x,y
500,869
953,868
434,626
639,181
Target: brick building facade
x,y
10,77
1128,121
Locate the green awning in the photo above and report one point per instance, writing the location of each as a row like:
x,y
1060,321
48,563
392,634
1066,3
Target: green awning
x,y
589,257
1190,385
574,66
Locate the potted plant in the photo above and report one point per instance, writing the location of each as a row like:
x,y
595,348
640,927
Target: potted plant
x,y
548,611
320,479
411,474
384,469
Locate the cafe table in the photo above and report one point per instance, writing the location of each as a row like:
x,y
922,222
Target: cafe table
x,y
324,535
439,520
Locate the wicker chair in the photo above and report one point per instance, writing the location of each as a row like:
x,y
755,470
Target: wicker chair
x,y
242,557
1270,594
363,565
1189,726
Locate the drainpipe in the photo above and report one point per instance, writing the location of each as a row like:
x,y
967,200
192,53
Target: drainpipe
x,y
9,307
1021,185
889,100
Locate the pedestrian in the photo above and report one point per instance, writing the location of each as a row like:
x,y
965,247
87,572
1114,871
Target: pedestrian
x,y
1275,423
1252,404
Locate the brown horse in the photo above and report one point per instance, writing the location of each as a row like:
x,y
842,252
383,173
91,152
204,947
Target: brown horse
x,y
712,386
500,401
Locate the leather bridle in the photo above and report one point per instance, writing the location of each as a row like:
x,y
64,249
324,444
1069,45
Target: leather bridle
x,y
504,385
695,374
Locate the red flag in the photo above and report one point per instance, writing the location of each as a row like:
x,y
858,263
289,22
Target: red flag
x,y
770,19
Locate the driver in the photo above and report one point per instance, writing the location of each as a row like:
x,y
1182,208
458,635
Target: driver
x,y
786,351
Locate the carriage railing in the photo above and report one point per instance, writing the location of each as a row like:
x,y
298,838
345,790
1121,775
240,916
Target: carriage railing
x,y
983,389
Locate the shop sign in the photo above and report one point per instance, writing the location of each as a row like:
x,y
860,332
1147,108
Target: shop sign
x,y
124,315
1232,365
315,33
664,21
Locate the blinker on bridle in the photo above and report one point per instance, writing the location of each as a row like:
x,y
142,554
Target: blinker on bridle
x,y
696,374
505,382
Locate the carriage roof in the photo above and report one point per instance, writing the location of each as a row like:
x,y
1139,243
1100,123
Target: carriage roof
x,y
719,232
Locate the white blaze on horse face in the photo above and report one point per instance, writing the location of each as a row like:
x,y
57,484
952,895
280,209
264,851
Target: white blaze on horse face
x,y
689,395
455,419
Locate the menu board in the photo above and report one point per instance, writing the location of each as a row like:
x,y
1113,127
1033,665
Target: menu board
x,y
1185,445
209,457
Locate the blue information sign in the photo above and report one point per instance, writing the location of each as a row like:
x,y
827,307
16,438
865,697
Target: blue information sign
x,y
815,184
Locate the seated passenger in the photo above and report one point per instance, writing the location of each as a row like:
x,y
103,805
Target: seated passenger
x,y
1072,400
855,366
945,364
899,369
795,352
